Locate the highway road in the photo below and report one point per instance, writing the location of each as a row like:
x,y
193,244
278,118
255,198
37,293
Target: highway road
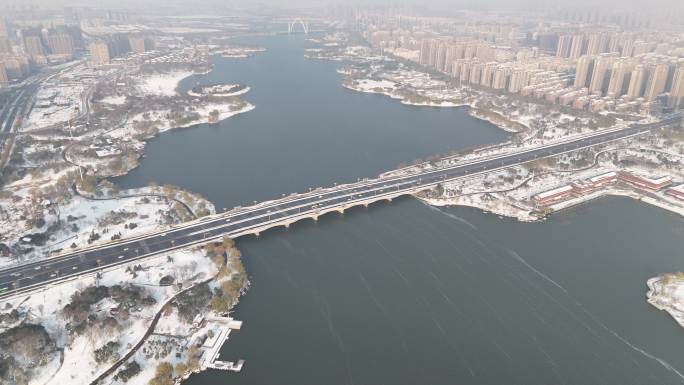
x,y
19,103
253,219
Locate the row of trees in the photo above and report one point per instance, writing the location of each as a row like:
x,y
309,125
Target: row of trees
x,y
231,274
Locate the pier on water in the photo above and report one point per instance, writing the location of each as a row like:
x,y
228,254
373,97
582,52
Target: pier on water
x,y
213,345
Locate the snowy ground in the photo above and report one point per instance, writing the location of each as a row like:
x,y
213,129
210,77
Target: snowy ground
x,y
115,100
509,192
428,97
73,220
666,292
54,104
60,97
81,217
221,90
238,52
161,84
163,123
79,366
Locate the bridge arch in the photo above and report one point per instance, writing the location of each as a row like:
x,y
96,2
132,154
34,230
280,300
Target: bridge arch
x,y
291,26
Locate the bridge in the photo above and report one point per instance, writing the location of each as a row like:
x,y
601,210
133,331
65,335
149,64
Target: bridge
x,y
291,26
286,211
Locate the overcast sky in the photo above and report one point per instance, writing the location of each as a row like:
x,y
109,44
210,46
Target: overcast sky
x,y
646,5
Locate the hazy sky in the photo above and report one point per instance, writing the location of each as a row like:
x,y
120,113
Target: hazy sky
x,y
448,4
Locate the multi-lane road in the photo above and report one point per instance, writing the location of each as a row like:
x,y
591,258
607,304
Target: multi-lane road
x,y
257,218
18,103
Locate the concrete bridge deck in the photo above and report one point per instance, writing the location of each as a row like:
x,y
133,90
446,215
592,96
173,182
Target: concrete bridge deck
x,y
284,212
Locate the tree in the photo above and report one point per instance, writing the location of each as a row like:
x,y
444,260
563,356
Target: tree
x,y
230,289
181,368
213,116
193,358
163,374
219,304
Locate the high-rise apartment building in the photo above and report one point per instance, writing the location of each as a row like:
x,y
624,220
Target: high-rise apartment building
x,y
577,46
518,80
61,44
676,99
600,75
583,71
594,44
637,82
3,28
137,43
488,75
99,52
619,78
475,73
499,79
564,44
657,80
3,76
627,48
34,46
16,66
424,57
440,59
5,46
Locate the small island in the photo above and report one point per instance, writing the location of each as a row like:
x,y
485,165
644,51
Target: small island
x,y
223,90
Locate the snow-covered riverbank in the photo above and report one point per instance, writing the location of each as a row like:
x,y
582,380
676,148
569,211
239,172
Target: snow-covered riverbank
x,y
65,204
666,292
81,356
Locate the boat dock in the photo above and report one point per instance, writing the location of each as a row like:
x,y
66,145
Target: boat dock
x,y
227,365
222,326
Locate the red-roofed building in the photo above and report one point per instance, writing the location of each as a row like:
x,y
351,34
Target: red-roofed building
x,y
603,179
554,195
677,192
655,184
582,187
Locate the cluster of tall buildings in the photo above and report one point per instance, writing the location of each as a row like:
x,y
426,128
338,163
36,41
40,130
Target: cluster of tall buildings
x,y
595,69
479,63
50,45
646,77
574,45
102,50
24,49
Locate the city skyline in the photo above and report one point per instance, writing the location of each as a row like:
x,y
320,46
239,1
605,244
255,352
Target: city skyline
x,y
471,192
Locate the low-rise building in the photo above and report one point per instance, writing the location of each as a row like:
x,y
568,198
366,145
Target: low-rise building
x,y
677,192
650,183
603,179
582,187
553,195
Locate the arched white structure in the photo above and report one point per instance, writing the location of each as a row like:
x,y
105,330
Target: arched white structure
x,y
291,25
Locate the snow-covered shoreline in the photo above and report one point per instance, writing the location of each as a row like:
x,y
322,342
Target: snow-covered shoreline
x,y
503,123
220,92
162,84
224,110
666,293
401,98
94,212
507,209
